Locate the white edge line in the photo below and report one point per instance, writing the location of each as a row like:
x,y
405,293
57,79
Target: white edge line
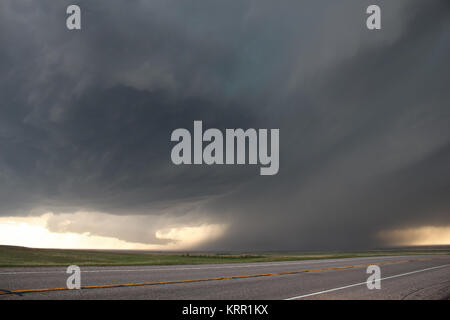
x,y
362,283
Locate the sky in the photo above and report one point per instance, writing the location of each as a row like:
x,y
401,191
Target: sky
x,y
86,118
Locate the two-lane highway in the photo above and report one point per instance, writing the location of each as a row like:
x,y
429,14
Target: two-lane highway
x,y
405,277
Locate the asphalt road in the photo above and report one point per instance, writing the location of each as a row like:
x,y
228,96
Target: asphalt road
x,y
408,277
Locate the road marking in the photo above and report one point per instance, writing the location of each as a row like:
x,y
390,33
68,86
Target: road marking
x,y
363,283
206,279
256,264
237,265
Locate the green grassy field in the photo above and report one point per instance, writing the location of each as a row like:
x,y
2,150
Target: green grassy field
x,y
11,256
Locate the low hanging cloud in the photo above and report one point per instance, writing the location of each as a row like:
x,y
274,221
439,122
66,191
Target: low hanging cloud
x,y
86,118
160,230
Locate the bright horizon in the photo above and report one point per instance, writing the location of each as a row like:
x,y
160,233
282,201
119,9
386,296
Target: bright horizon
x,y
34,232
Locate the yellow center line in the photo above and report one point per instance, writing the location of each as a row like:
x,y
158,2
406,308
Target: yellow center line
x,y
209,279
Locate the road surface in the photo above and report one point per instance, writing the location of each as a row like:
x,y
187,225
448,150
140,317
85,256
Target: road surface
x,y
402,277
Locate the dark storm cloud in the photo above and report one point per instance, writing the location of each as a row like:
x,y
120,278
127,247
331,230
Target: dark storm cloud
x,y
86,117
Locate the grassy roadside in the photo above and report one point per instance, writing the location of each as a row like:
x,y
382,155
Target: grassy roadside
x,y
11,256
